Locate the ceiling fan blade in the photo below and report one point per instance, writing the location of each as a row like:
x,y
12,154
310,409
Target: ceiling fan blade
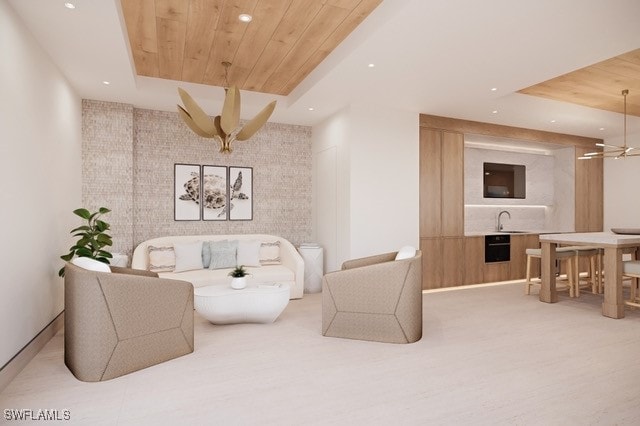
x,y
192,125
216,122
231,110
196,113
256,122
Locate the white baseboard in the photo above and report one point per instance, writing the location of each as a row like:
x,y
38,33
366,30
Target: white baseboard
x,y
15,365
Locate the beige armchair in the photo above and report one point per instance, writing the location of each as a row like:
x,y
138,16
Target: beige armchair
x,y
124,321
375,298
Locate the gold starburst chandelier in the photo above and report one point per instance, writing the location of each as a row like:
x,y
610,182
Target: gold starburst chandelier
x,y
615,151
225,128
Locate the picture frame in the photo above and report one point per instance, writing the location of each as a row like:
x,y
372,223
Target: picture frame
x,y
186,192
240,193
215,193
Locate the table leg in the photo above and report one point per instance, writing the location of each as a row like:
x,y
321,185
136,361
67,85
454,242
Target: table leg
x,y
548,273
613,305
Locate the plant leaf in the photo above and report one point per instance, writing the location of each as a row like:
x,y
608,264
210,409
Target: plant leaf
x,y
199,117
84,228
104,210
101,226
84,252
256,122
106,254
61,272
83,213
67,257
230,110
191,124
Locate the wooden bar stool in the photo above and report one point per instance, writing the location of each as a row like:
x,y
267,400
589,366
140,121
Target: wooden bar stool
x,y
595,262
632,251
631,269
566,254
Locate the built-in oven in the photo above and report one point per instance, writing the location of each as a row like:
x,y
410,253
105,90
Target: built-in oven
x,y
497,248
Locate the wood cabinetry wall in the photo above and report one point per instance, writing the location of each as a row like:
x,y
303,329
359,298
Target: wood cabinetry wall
x,y
450,258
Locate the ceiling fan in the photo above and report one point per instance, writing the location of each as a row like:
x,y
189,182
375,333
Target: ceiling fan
x,y
225,128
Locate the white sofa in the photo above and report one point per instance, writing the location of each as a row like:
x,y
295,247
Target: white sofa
x,y
290,271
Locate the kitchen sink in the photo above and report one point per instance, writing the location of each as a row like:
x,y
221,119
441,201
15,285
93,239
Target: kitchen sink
x,y
514,232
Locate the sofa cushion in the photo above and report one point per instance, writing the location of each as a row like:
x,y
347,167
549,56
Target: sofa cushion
x,y
249,253
188,256
223,254
161,259
406,252
270,253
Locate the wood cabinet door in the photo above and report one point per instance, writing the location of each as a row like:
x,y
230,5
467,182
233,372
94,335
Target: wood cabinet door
x,y
498,271
430,182
452,184
453,262
589,197
473,260
431,263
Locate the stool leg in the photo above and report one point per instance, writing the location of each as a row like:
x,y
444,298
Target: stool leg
x,y
600,277
570,276
527,286
577,275
592,274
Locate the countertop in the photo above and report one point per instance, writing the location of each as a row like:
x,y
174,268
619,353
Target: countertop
x,y
510,232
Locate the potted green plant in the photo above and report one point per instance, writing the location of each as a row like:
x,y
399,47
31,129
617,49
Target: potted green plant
x,y
239,274
92,238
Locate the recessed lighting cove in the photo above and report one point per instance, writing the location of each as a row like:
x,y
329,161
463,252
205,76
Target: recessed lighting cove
x,y
69,5
245,17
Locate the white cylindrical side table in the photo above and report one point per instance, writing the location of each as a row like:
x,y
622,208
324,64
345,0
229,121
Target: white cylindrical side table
x,y
313,266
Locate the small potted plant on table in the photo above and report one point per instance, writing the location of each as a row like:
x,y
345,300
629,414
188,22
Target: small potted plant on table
x,y
239,274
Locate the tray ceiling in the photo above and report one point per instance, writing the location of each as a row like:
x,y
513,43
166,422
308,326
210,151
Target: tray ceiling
x,y
597,86
187,40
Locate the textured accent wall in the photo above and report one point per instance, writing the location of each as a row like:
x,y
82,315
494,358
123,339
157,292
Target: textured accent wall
x,y
107,166
279,154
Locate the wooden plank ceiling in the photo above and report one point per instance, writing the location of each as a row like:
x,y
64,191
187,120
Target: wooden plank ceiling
x,y
187,40
597,86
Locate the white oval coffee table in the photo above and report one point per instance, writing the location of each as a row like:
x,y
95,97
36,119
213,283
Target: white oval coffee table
x,y
261,303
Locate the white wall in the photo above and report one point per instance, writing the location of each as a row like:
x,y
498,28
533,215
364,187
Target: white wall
x,y
372,204
40,174
621,179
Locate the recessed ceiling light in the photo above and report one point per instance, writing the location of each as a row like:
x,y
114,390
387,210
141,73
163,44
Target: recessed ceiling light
x,y
69,5
495,111
553,121
493,89
310,108
244,17
601,128
106,83
371,65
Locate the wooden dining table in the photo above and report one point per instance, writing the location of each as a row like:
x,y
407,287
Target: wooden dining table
x,y
614,246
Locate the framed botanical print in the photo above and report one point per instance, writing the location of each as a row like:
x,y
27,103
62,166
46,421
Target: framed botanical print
x,y
240,193
215,195
186,195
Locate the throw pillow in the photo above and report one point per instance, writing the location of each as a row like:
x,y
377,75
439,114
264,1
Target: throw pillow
x,y
161,259
406,252
91,264
188,256
223,254
206,254
249,253
270,253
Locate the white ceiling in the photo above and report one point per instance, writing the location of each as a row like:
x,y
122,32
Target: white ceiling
x,y
438,57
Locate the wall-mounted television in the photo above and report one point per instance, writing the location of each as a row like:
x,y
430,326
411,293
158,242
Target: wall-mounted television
x,y
504,180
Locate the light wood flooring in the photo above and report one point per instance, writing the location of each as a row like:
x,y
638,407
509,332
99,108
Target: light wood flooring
x,y
489,355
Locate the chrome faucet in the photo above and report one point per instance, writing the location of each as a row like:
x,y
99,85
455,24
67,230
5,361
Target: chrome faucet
x,y
499,226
